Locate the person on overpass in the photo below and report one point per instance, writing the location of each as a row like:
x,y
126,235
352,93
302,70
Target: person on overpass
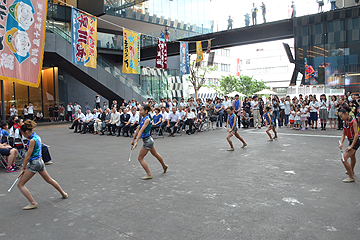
x,y
263,8
293,15
333,4
254,13
247,19
230,23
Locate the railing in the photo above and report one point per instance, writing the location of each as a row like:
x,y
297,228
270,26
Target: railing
x,y
101,62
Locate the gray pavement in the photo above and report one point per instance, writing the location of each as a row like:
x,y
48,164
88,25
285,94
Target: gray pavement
x,y
287,189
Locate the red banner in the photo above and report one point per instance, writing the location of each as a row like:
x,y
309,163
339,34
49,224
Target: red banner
x,y
209,46
161,56
238,67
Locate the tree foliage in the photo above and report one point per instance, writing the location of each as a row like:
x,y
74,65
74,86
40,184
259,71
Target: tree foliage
x,y
242,84
197,75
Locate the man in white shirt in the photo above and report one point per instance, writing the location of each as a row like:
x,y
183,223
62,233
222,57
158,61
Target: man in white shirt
x,y
31,111
226,103
256,112
133,122
69,109
173,122
254,14
165,115
97,101
88,118
182,118
314,106
78,121
77,107
182,103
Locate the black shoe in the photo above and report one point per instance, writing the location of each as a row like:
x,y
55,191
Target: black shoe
x,y
109,134
71,128
113,134
83,133
75,131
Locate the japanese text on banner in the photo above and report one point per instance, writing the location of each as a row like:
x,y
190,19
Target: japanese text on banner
x,y
161,56
84,38
184,58
131,52
22,37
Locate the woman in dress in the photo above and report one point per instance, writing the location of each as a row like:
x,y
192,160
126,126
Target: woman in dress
x,y
332,110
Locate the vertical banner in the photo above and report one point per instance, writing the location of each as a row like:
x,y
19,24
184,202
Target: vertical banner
x,y
84,38
238,67
184,58
199,52
22,31
209,46
161,56
131,52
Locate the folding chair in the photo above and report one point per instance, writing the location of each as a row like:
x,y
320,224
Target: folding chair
x,y
159,132
3,162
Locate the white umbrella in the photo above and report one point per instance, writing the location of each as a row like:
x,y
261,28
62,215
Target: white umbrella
x,y
234,93
266,91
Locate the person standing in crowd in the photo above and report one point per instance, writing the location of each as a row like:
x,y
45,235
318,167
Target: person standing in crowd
x,y
56,113
293,14
276,110
351,131
34,164
231,127
314,106
230,23
226,103
287,110
87,106
332,111
51,113
69,109
219,111
297,118
254,14
303,116
77,107
282,112
31,111
256,112
62,113
263,8
209,107
144,132
13,110
97,101
270,123
323,111
26,112
237,108
105,106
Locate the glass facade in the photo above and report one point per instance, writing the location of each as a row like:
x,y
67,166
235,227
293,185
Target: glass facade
x,y
328,48
52,90
160,83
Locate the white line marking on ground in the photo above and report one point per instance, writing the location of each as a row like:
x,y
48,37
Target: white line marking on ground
x,y
305,135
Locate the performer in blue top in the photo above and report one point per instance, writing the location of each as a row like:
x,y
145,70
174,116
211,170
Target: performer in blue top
x,y
34,164
232,128
144,131
270,123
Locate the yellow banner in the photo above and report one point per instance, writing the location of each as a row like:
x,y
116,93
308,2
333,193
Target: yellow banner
x,y
199,52
131,52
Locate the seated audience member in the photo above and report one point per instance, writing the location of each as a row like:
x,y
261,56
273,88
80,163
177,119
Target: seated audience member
x,y
88,119
114,121
3,131
173,122
245,119
124,119
133,122
201,118
78,121
39,116
92,122
157,120
190,118
14,132
98,122
106,121
182,118
9,154
165,114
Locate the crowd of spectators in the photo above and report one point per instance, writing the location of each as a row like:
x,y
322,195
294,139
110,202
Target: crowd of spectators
x,y
169,115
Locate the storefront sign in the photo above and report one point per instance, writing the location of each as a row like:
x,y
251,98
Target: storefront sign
x,y
184,58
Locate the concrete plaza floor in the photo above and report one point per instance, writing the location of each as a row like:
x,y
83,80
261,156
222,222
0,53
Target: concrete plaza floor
x,y
290,188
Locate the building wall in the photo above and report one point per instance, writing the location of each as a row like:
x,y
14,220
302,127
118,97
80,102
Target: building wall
x,y
78,92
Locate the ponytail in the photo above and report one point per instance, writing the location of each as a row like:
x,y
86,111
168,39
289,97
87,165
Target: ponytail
x,y
28,125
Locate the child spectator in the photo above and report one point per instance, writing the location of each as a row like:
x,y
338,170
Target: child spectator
x,y
303,116
292,117
297,118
